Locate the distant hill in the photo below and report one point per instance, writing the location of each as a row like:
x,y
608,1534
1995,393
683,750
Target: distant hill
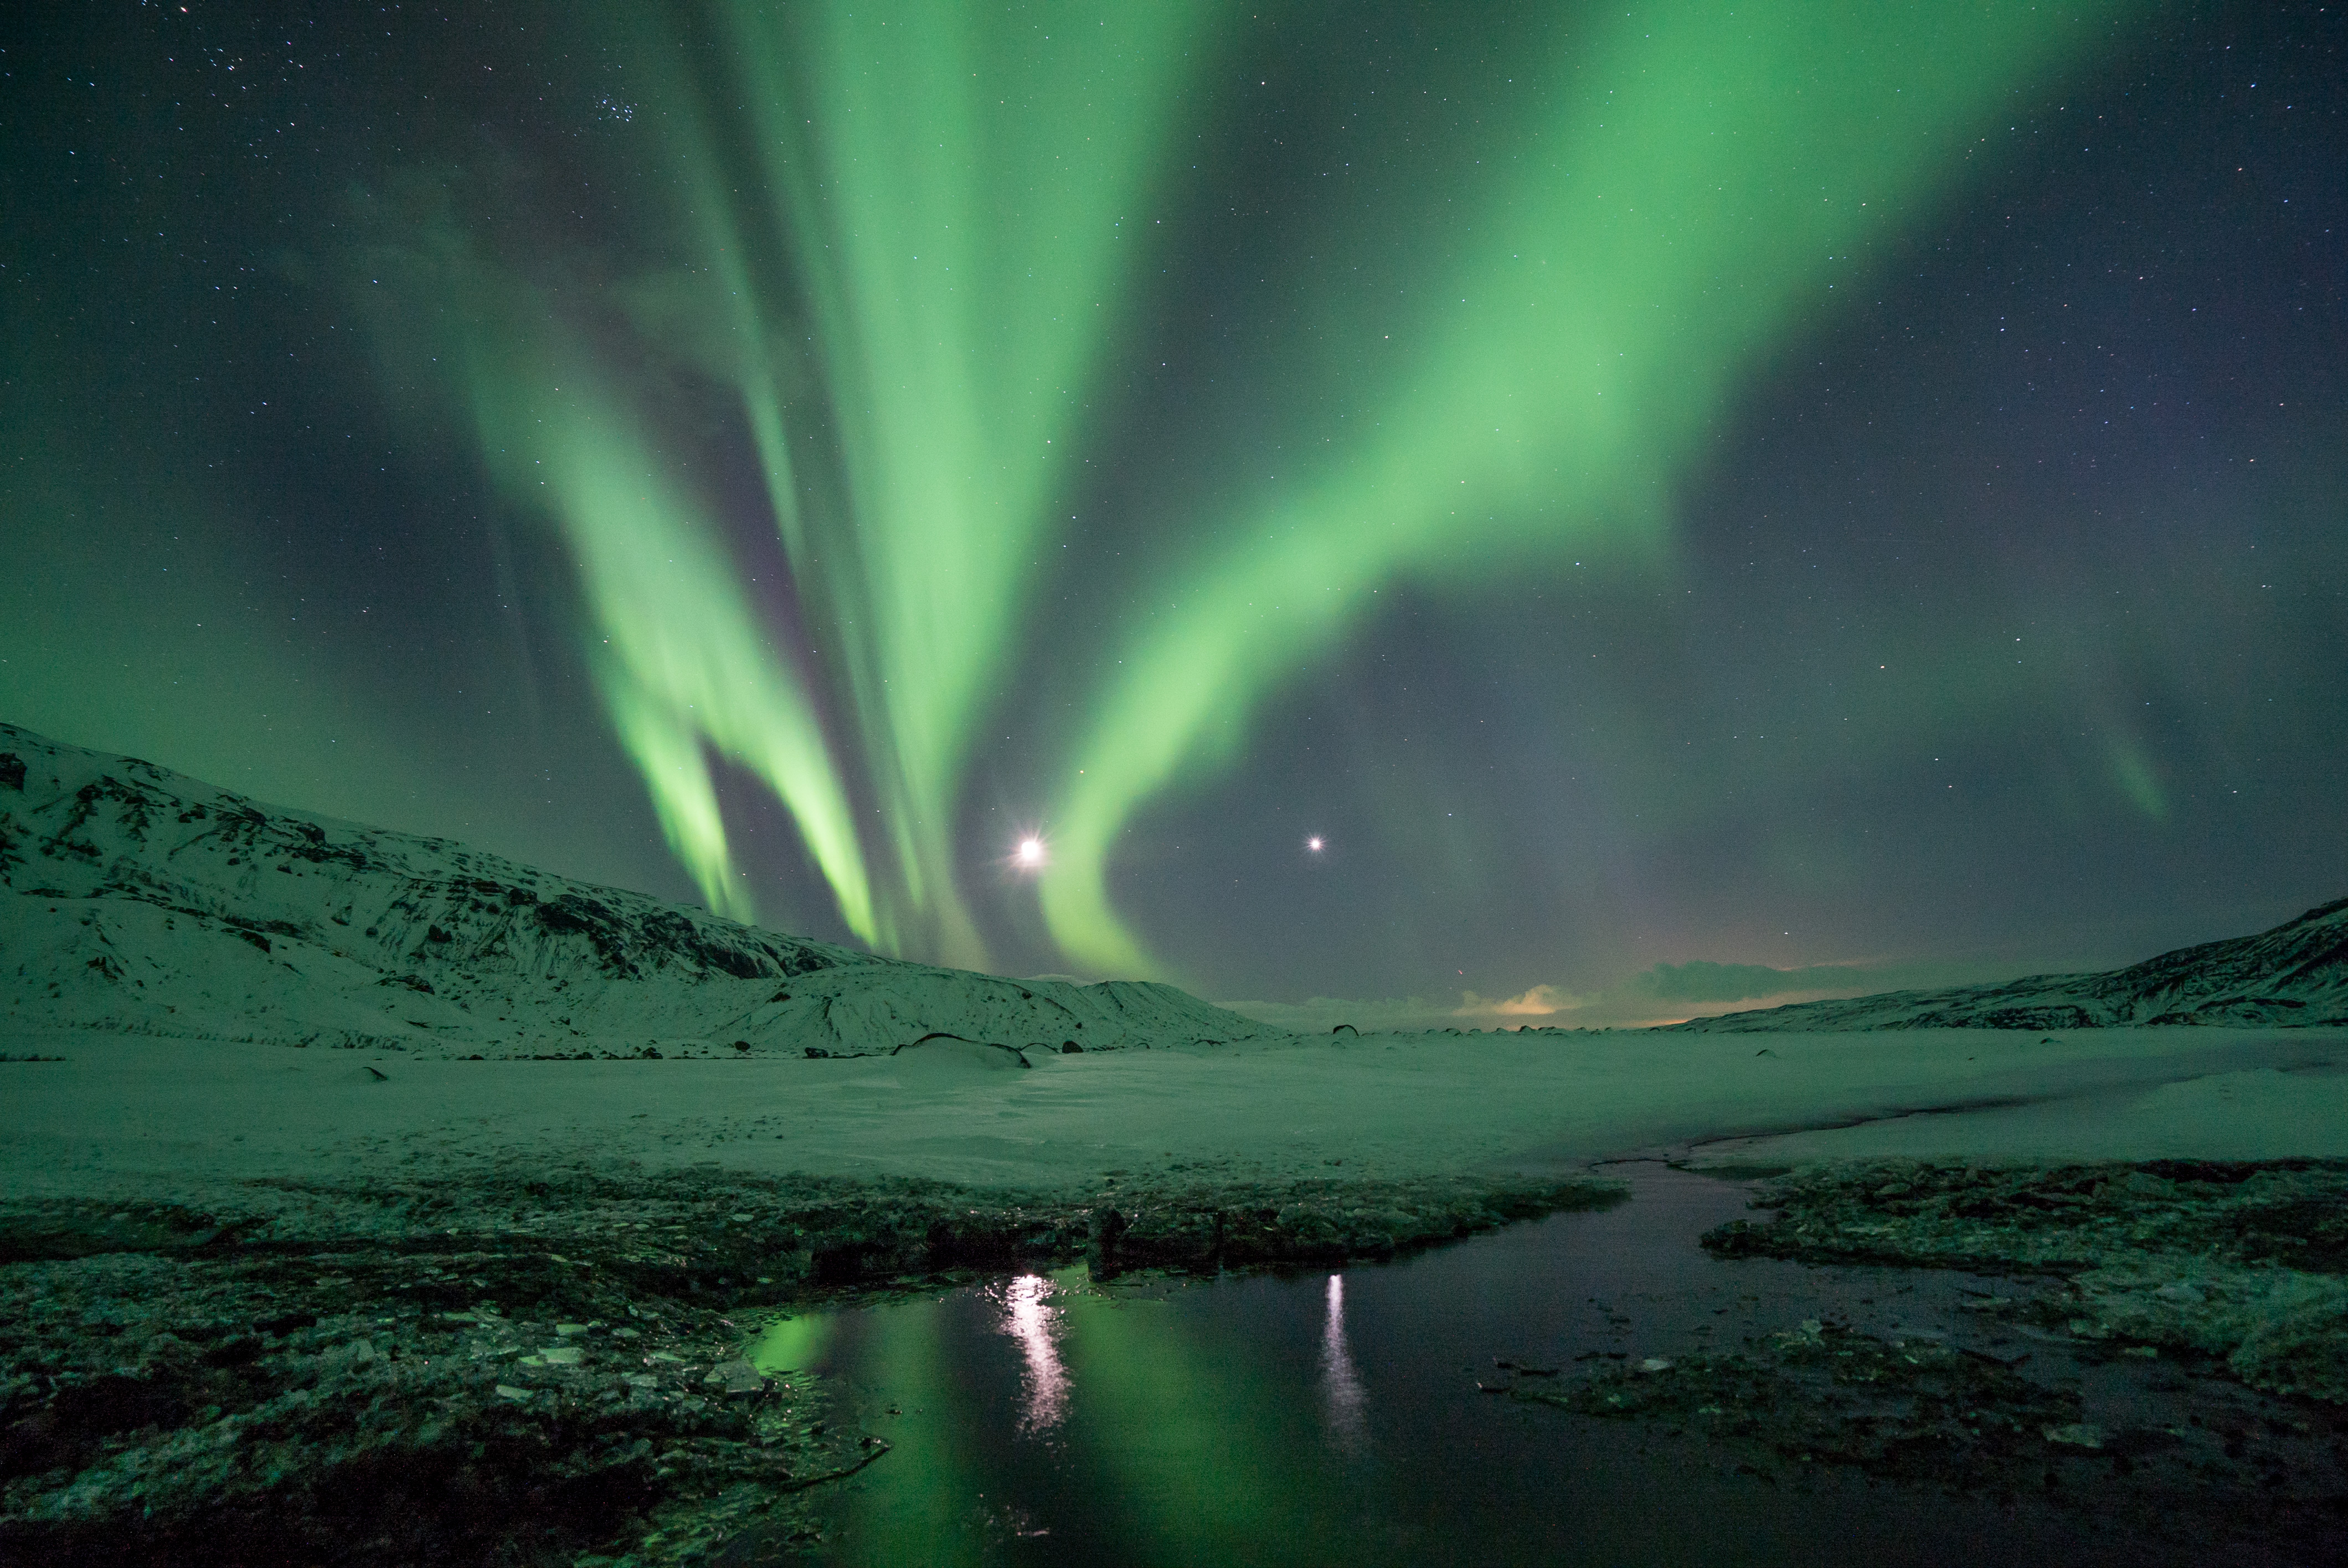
x,y
136,899
2295,974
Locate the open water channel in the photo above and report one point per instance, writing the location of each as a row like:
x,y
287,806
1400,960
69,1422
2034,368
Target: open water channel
x,y
1337,1417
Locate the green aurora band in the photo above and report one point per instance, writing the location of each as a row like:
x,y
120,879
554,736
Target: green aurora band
x,y
681,659
1674,217
932,215
902,244
902,249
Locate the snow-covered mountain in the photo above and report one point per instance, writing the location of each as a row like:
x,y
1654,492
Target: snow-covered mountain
x,y
2294,974
134,898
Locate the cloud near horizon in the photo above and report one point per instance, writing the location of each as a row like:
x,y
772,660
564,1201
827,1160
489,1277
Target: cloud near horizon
x,y
1665,993
1538,1005
1541,1002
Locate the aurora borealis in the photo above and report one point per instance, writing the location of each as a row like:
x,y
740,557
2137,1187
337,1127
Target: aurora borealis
x,y
1682,501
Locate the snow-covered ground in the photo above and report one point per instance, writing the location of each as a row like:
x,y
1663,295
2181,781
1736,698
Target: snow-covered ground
x,y
137,900
127,1113
244,993
2293,975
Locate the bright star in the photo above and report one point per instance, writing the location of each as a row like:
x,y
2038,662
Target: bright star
x,y
1314,845
1030,853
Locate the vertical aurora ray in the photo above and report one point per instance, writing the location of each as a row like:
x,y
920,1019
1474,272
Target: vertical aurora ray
x,y
1673,215
938,211
566,429
895,245
682,660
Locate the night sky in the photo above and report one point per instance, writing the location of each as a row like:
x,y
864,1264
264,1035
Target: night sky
x,y
1660,493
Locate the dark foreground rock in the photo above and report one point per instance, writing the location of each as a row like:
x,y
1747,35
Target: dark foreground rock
x,y
1821,1393
2241,1265
525,1369
2157,1346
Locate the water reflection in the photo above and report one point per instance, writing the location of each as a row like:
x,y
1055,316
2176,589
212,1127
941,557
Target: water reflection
x,y
936,1490
1228,1422
1341,1385
1197,1435
1029,1317
792,1344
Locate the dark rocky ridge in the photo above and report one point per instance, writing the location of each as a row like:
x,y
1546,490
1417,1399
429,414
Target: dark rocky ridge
x,y
2296,974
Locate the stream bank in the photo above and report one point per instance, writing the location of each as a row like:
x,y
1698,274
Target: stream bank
x,y
529,1367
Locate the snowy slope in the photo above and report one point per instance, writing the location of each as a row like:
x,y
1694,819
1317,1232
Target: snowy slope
x,y
2294,974
133,898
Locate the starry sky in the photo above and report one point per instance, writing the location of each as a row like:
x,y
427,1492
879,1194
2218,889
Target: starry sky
x,y
1524,513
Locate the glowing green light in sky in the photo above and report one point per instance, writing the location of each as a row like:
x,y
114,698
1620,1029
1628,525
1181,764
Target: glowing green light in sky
x,y
900,244
681,662
1681,207
2132,767
935,211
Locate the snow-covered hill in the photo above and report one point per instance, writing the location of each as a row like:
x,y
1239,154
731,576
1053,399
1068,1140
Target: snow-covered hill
x,y
2294,974
133,898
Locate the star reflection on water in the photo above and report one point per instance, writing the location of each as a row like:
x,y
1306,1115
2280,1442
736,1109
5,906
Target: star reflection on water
x,y
1349,1427
1029,1317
